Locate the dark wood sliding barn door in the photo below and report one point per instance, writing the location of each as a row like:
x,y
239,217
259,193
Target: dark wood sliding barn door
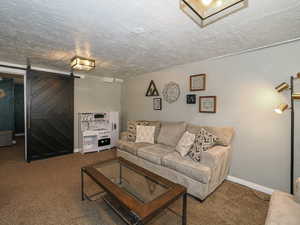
x,y
50,114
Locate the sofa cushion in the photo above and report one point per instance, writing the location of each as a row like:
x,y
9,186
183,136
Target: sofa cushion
x,y
224,134
156,124
130,147
187,166
171,132
283,209
154,153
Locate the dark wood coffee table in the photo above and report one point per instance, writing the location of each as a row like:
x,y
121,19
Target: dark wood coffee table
x,y
134,193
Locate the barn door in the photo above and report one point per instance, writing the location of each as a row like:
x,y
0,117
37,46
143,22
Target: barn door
x,y
50,114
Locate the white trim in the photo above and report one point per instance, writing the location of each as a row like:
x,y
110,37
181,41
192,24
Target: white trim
x,y
250,185
77,150
20,134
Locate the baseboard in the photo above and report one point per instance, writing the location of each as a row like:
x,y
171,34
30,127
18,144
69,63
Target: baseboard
x,y
77,150
250,185
19,135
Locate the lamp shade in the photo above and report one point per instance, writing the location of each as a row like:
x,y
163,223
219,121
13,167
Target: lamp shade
x,y
205,12
281,87
296,95
82,63
281,108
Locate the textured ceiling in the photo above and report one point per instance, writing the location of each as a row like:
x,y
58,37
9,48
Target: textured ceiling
x,y
135,36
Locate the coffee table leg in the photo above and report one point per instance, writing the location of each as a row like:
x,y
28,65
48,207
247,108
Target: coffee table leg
x,y
82,186
184,205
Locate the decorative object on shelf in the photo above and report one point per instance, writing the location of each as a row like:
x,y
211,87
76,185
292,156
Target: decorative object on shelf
x,y
171,92
208,104
157,104
198,82
191,99
283,107
152,90
2,93
205,12
82,63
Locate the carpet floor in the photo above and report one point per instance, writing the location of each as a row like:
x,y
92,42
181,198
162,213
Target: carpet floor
x,y
47,192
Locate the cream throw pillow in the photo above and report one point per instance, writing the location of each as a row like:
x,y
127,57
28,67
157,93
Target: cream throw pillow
x,y
185,143
145,134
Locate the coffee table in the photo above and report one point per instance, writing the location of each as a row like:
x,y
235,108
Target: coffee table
x,y
134,193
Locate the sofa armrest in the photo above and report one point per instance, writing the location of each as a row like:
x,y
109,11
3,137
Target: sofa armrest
x,y
216,156
124,135
297,190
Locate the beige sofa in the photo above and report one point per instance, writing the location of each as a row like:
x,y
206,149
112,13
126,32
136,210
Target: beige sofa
x,y
200,178
284,208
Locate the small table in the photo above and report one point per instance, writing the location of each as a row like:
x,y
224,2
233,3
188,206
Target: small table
x,y
134,193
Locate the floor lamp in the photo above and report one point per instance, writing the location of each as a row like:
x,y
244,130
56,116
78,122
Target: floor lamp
x,y
280,109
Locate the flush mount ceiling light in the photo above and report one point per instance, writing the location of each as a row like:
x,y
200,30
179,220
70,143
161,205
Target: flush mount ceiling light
x,y
205,12
82,63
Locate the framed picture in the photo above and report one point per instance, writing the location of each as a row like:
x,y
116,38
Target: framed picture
x,y
156,103
198,82
190,99
208,104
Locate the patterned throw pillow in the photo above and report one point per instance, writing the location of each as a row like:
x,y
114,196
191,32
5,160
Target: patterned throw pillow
x,y
203,141
131,128
145,134
185,143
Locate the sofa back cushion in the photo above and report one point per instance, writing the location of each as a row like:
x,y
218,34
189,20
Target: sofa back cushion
x,y
171,132
224,134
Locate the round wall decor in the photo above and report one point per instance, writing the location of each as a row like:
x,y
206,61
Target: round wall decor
x,y
171,92
2,93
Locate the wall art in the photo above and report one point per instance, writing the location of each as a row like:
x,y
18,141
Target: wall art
x,y
157,104
198,82
152,90
171,92
191,99
208,104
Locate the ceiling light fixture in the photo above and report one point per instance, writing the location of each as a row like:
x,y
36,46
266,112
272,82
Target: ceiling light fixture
x,y
82,63
205,12
206,2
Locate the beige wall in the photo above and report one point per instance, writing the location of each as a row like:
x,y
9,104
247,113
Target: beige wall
x,y
244,85
94,95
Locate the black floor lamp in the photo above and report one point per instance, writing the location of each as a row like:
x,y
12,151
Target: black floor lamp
x,y
280,109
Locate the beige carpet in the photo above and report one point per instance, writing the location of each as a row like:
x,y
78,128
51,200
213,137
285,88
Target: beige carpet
x,y
47,192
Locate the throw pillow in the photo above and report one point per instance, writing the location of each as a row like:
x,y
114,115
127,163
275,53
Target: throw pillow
x,y
204,140
145,134
185,143
131,129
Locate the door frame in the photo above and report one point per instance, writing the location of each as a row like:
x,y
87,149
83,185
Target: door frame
x,y
23,74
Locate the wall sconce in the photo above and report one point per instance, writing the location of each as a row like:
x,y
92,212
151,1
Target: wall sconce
x,y
281,87
82,63
281,108
205,12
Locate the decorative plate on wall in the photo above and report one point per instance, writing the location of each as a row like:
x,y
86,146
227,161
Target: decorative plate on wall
x,y
171,92
2,93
